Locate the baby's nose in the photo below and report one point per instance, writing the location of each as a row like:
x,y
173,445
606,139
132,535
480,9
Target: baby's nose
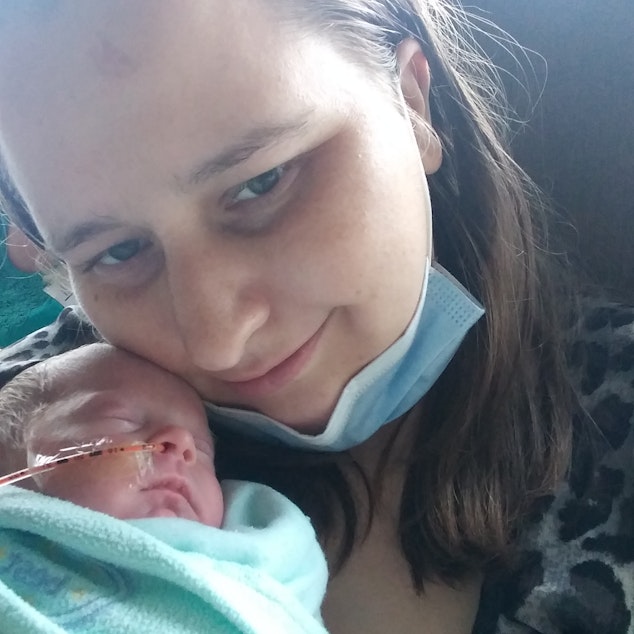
x,y
176,441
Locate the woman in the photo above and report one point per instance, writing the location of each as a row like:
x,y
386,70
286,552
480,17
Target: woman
x,y
241,192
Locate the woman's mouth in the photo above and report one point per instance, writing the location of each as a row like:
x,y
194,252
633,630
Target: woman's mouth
x,y
281,374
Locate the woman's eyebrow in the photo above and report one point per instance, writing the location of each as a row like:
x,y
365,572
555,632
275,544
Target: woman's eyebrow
x,y
254,140
79,233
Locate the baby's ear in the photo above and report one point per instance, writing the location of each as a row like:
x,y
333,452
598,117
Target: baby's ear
x,y
415,81
24,254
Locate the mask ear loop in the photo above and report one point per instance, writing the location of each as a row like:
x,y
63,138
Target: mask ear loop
x,y
79,453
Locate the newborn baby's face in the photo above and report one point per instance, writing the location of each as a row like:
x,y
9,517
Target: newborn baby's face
x,y
109,394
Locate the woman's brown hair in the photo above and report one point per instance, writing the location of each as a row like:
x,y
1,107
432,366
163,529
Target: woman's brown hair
x,y
495,430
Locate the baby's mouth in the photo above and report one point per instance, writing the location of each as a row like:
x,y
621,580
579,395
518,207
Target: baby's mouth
x,y
175,485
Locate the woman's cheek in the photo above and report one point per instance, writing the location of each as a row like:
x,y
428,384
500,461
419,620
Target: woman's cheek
x,y
113,310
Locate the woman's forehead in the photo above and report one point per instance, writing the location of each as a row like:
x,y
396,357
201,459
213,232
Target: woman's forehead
x,y
114,50
111,54
83,95
119,31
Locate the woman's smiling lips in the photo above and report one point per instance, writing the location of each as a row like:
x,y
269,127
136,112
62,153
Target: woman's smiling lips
x,y
279,375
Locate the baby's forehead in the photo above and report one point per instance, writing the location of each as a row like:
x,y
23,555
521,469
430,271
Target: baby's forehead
x,y
99,377
68,380
87,362
92,354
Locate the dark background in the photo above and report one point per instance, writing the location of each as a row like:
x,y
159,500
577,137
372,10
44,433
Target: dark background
x,y
579,142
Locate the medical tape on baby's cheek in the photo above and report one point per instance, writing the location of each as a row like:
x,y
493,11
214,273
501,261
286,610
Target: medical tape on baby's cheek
x,y
102,459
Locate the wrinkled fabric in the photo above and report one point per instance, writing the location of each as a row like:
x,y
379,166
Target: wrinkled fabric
x,y
64,568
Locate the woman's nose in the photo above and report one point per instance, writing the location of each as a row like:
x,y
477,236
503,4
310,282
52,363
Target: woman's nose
x,y
216,306
177,443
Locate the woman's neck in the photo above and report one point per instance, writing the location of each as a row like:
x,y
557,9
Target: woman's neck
x,y
374,591
396,439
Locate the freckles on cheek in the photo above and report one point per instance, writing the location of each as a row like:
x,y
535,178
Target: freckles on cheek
x,y
120,295
100,307
96,297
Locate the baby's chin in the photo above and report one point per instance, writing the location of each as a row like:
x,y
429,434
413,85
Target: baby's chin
x,y
168,503
171,513
213,520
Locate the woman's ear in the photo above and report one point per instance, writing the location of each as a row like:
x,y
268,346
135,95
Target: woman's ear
x,y
414,81
23,253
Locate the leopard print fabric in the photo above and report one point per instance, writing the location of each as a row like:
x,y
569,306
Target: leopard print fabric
x,y
575,573
70,330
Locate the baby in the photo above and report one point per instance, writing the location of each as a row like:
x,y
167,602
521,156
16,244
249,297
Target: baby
x,y
101,393
178,572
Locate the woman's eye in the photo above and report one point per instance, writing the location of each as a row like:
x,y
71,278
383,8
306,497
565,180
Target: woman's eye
x,y
128,262
259,185
122,252
254,206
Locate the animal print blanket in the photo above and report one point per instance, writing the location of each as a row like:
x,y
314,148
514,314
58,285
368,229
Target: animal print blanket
x,y
575,574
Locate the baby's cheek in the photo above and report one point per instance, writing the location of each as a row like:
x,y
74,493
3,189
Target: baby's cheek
x,y
66,487
123,501
212,508
100,489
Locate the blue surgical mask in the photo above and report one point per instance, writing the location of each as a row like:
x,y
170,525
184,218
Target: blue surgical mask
x,y
388,386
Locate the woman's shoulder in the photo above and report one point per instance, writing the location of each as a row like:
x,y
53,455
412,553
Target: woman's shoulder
x,y
70,330
577,559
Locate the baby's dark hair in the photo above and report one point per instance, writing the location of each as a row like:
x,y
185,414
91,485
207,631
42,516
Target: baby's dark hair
x,y
21,401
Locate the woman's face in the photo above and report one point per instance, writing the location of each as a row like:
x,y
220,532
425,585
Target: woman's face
x,y
235,201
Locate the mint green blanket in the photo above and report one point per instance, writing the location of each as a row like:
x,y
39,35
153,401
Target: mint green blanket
x,y
64,568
